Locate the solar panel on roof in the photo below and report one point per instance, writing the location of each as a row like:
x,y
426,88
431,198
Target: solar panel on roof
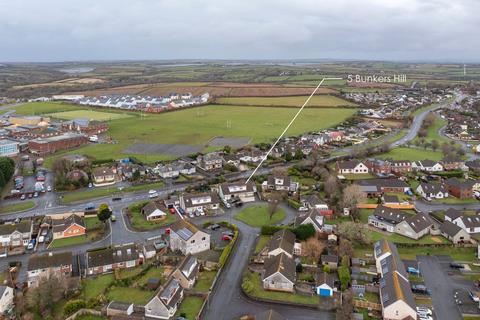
x,y
385,297
184,233
382,283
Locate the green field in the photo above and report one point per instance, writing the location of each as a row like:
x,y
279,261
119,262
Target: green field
x,y
88,114
411,154
257,216
17,207
39,108
196,126
190,306
292,101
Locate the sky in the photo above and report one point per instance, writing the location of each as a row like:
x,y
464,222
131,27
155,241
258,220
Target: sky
x,y
401,30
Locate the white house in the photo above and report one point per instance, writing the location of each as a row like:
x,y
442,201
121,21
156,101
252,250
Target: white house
x,y
351,167
427,165
6,299
187,238
279,183
313,217
245,192
471,224
433,190
154,211
199,202
279,274
165,303
16,234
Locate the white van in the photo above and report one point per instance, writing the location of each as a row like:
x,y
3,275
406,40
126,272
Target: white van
x,y
152,194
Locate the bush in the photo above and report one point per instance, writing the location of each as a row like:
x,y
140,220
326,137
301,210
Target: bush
x,y
269,230
344,276
247,285
294,204
73,306
304,231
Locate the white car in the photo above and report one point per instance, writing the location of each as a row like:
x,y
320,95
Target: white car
x,y
49,188
152,194
424,310
41,239
302,209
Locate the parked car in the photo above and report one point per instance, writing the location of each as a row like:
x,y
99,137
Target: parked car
x,y
44,232
228,233
303,209
172,210
35,195
49,188
226,238
41,239
113,218
116,199
152,194
455,265
31,244
181,210
90,207
473,296
30,195
424,310
214,227
23,197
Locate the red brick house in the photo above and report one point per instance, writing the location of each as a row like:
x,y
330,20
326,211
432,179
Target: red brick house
x,y
72,226
460,189
401,166
379,166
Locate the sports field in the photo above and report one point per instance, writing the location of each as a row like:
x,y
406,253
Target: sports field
x,y
292,101
88,114
197,126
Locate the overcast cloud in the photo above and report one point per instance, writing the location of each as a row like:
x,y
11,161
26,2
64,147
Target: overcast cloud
x,y
59,30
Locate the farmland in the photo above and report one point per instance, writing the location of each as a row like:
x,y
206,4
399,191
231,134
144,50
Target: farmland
x,y
197,126
292,101
88,114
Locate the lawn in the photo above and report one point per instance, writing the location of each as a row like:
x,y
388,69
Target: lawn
x,y
205,281
432,132
412,154
21,206
106,191
93,223
190,306
129,294
261,243
139,222
88,114
257,216
93,287
38,108
153,272
197,126
292,101
397,238
257,291
65,242
458,254
453,200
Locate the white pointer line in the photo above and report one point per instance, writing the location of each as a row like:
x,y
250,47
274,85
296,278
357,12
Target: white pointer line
x,y
288,126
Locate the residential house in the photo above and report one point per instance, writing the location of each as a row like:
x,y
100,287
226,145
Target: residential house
x,y
392,200
376,187
71,226
103,176
452,214
7,299
386,218
16,234
453,163
210,161
379,166
108,259
313,217
325,284
187,238
199,202
414,226
460,189
427,165
187,272
351,167
470,224
312,201
245,192
253,156
46,264
473,165
433,190
401,166
167,171
280,273
454,233
280,183
283,241
165,303
154,211
396,297
330,260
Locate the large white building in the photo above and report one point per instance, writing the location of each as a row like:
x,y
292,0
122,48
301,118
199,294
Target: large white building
x,y
187,238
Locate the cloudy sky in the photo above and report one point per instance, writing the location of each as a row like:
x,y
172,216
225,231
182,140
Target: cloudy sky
x,y
60,30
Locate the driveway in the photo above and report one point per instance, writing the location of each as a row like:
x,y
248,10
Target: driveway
x,y
434,270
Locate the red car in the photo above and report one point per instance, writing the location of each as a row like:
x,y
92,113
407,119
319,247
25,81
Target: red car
x,y
226,237
172,210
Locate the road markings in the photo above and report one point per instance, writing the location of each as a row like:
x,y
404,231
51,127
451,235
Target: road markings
x,y
288,126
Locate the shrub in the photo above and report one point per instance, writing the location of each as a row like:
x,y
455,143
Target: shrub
x,y
294,204
73,306
247,285
344,276
304,231
269,230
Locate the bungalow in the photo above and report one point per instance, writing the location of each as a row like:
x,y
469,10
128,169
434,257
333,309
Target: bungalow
x,y
252,156
283,241
453,163
71,226
414,226
460,189
452,214
51,263
187,238
245,192
330,260
199,202
312,201
16,234
313,218
401,166
165,303
7,298
471,224
386,218
154,211
280,273
103,176
376,187
210,161
108,259
187,272
351,167
167,171
427,165
454,233
391,200
433,190
325,284
280,183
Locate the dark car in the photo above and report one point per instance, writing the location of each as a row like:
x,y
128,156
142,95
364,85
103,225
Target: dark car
x,y
228,233
116,199
215,227
455,265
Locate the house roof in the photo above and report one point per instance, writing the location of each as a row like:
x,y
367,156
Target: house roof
x,y
312,216
23,227
283,239
49,260
118,305
454,182
390,199
433,187
390,214
453,213
471,221
427,163
282,264
312,200
383,183
450,229
285,180
419,222
350,164
184,229
103,171
189,267
151,207
210,198
394,287
268,315
325,278
237,187
60,225
111,255
171,293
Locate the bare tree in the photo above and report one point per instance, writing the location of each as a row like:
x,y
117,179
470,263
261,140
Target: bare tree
x,y
49,290
352,195
355,232
331,185
345,248
313,248
434,145
273,203
279,171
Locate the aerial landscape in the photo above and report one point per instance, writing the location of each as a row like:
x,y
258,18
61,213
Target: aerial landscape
x,y
239,160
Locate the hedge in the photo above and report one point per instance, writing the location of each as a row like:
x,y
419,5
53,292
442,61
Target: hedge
x,y
73,306
228,249
302,232
294,204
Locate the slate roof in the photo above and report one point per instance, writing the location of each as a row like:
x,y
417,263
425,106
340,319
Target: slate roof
x,y
329,258
316,218
60,225
271,180
49,260
419,222
390,199
112,255
284,239
150,207
433,187
389,214
450,229
454,182
350,164
453,213
471,221
383,183
237,187
23,226
280,263
171,293
213,198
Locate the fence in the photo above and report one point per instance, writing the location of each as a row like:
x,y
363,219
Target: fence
x,y
82,312
367,305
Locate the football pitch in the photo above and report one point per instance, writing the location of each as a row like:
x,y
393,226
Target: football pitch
x,y
88,114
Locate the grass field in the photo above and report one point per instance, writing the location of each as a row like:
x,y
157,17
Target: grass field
x,y
257,216
197,126
65,242
458,254
130,295
88,114
38,108
411,154
295,101
190,306
17,207
93,287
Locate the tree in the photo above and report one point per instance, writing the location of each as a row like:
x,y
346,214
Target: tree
x,y
331,185
313,248
47,293
435,145
352,195
354,232
104,213
73,306
227,149
273,203
345,248
327,269
344,277
7,167
304,231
